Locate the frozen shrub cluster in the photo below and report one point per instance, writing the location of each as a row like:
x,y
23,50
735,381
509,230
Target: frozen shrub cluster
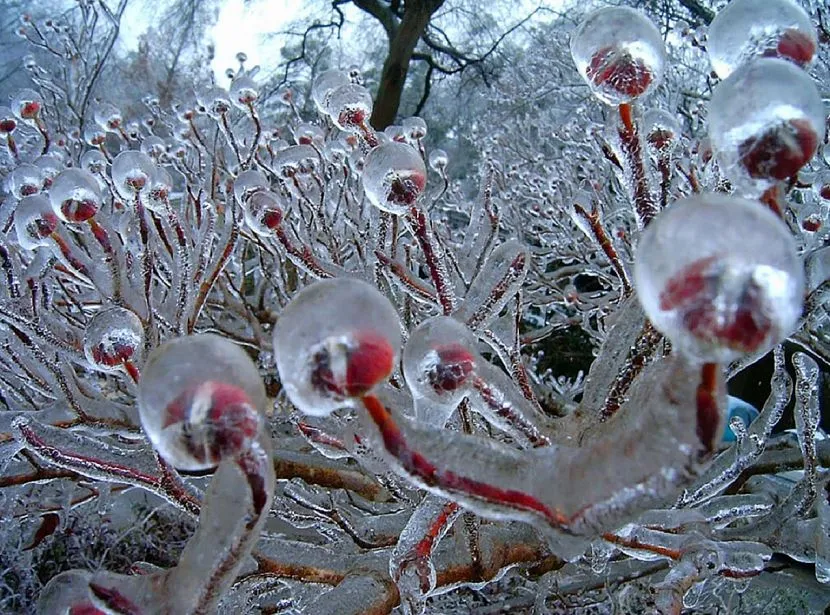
x,y
305,338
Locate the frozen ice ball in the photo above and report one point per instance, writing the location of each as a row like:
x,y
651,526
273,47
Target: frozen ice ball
x,y
200,400
34,221
131,173
75,195
112,337
620,54
394,176
748,29
334,342
720,277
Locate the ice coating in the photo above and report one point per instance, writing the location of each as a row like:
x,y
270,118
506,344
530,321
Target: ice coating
x,y
50,165
296,159
34,221
131,173
325,83
438,160
748,29
75,195
394,176
439,359
415,127
716,298
661,129
27,105
244,92
247,183
94,161
107,116
349,107
200,399
112,337
153,146
765,121
25,180
263,212
619,53
334,342
161,183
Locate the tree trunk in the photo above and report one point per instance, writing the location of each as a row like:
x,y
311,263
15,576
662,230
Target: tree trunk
x,y
415,19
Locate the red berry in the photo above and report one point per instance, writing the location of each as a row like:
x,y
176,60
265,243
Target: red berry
x,y
7,125
793,45
85,608
112,354
824,192
811,223
660,138
78,211
29,110
453,368
352,367
352,117
405,190
694,292
779,152
618,70
272,218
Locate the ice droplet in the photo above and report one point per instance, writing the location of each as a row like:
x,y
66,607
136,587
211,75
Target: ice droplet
x,y
131,173
394,176
113,336
75,195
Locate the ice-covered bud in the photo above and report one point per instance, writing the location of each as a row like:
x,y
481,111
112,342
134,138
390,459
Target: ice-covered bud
x,y
161,183
438,160
75,195
131,173
216,101
714,297
296,159
108,117
765,121
95,135
154,147
200,399
309,134
25,180
27,105
661,130
334,342
50,165
749,29
34,221
349,107
394,176
8,122
247,183
94,161
324,84
619,53
244,92
439,359
113,337
263,212
415,127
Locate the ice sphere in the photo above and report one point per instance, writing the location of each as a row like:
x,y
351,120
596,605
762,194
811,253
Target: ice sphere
x,y
154,147
737,407
661,129
334,342
349,107
27,105
161,183
308,134
438,160
26,179
247,183
325,83
244,92
216,101
720,277
49,166
112,337
394,176
94,135
296,159
34,221
94,161
131,173
415,127
75,195
263,213
439,360
107,116
200,400
619,53
765,121
747,29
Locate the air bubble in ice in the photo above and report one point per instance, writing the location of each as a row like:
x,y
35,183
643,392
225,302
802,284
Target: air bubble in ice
x,y
619,53
75,195
748,29
394,176
113,337
334,342
765,121
200,400
716,298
